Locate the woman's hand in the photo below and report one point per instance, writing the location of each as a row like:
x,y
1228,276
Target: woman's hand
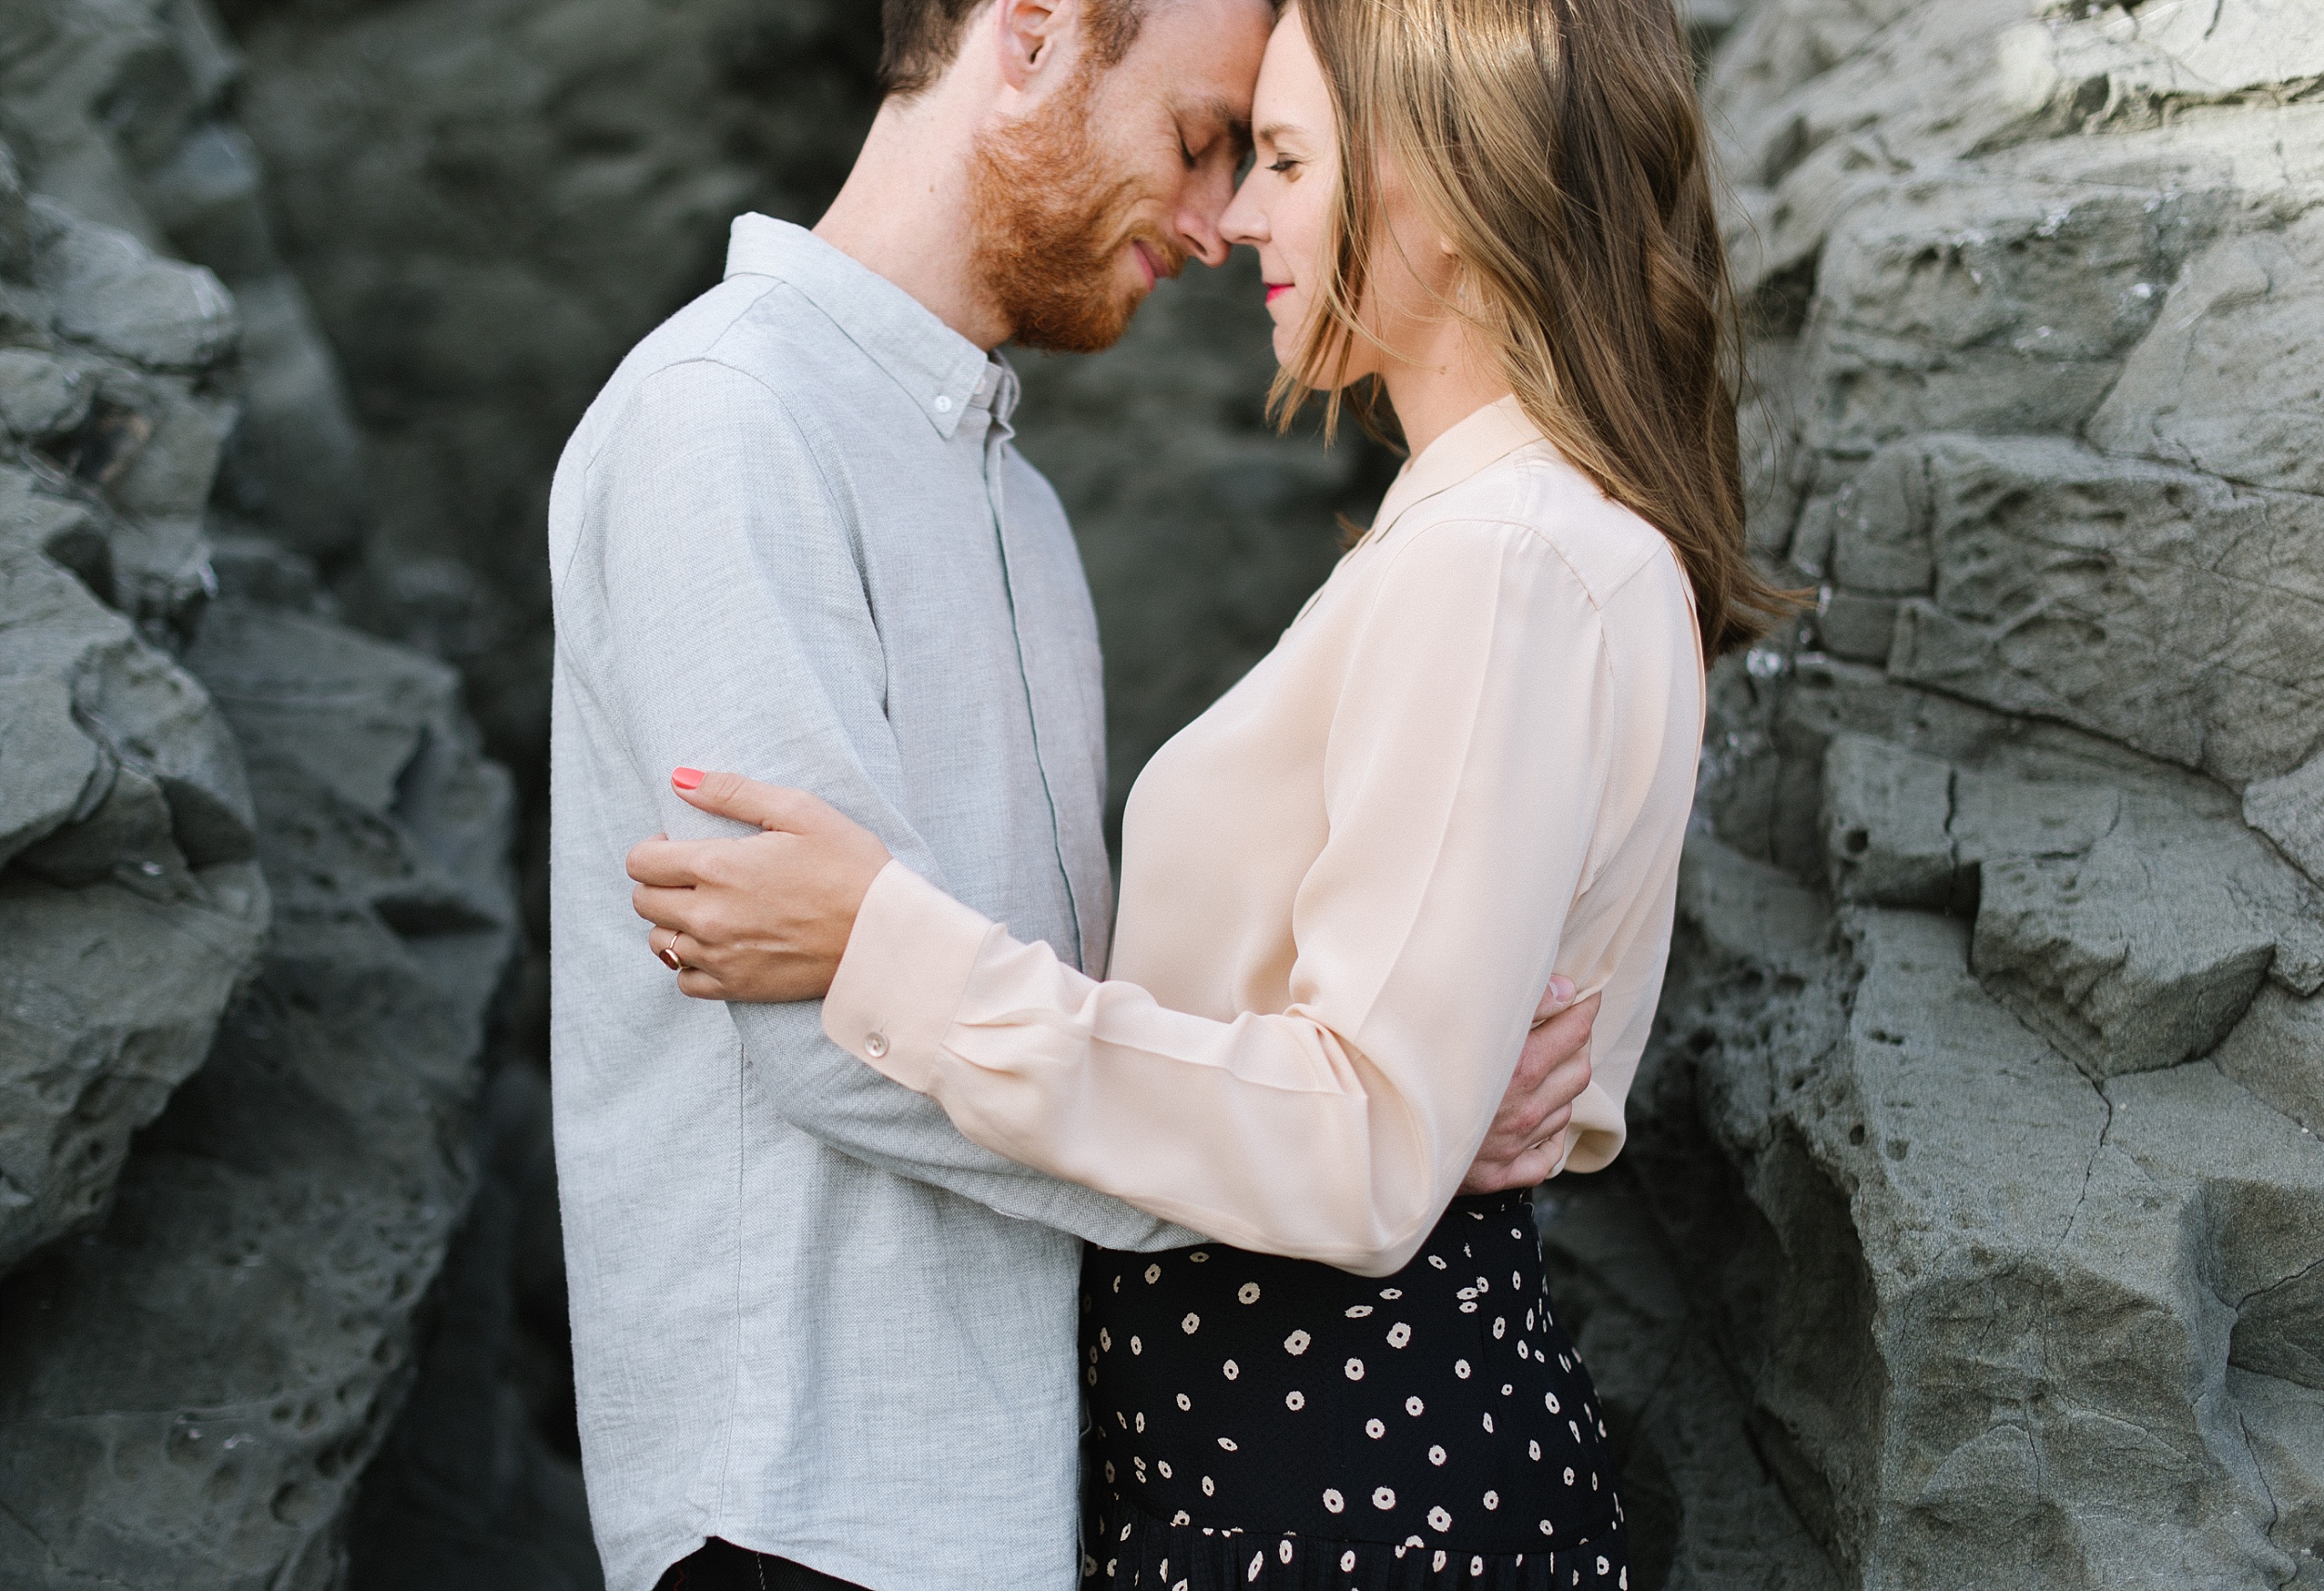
x,y
764,918
1528,1138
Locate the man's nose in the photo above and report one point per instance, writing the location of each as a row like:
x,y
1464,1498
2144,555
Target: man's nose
x,y
1198,225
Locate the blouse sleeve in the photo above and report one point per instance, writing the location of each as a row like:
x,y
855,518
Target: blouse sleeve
x,y
1467,758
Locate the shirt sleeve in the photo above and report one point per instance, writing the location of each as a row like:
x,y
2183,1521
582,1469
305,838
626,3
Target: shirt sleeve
x,y
742,638
1465,762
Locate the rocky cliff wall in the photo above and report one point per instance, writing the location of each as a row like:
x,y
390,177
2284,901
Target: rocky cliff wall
x,y
254,893
1969,1234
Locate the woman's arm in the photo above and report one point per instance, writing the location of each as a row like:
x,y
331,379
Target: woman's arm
x,y
1466,766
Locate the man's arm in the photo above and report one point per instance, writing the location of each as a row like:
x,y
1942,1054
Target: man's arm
x,y
740,637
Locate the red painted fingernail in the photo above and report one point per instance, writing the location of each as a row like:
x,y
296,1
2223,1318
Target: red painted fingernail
x,y
686,778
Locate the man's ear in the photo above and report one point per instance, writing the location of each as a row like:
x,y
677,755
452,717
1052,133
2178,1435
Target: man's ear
x,y
1029,34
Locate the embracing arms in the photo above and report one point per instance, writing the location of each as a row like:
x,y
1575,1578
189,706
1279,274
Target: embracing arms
x,y
1460,799
731,550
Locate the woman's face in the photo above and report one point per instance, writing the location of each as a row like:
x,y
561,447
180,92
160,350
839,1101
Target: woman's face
x,y
1284,206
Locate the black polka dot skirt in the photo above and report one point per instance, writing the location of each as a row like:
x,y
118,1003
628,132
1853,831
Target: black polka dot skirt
x,y
1265,1422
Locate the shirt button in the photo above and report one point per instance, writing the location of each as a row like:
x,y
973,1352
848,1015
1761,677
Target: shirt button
x,y
943,403
875,1044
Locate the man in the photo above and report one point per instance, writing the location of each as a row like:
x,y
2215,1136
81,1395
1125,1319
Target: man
x,y
813,1328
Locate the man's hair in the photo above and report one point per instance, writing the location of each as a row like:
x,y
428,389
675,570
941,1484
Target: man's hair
x,y
921,37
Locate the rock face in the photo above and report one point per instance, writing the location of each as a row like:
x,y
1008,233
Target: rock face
x,y
1968,1236
254,892
202,1381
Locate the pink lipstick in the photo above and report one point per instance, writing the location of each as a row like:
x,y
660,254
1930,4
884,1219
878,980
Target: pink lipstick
x,y
1277,290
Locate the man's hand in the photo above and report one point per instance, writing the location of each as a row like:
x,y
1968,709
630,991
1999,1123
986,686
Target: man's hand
x,y
1527,1137
761,919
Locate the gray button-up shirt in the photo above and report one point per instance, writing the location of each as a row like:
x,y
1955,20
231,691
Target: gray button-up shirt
x,y
790,538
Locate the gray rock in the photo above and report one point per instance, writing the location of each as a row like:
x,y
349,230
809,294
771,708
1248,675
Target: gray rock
x,y
148,712
41,396
1888,824
1702,1506
1903,828
2232,380
1973,1174
2275,1053
2284,1424
43,515
2166,609
2290,811
113,293
191,1393
467,1493
47,762
2115,65
128,897
16,216
2108,959
1955,1265
1955,303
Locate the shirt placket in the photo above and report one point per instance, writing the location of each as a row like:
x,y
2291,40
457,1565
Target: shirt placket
x,y
996,397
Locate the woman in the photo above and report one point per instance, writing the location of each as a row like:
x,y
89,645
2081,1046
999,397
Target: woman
x,y
1468,764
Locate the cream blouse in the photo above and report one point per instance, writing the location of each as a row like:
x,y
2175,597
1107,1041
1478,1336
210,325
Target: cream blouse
x,y
1467,765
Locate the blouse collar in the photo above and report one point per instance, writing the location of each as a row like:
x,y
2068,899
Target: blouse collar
x,y
1484,438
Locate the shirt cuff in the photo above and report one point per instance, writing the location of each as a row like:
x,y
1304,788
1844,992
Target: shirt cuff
x,y
1597,1132
908,962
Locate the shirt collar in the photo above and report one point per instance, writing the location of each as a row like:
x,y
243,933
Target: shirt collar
x,y
947,376
1487,437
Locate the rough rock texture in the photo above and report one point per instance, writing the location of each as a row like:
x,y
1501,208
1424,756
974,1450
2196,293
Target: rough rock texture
x,y
128,897
1968,1236
194,1389
254,894
107,892
469,1493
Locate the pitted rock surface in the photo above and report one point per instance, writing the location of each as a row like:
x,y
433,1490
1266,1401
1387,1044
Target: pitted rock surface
x,y
128,898
254,888
197,1387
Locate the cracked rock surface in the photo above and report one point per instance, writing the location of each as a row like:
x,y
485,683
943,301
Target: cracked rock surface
x,y
254,894
1969,1235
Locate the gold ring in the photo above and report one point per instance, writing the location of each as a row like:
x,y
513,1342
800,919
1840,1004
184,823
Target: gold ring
x,y
667,955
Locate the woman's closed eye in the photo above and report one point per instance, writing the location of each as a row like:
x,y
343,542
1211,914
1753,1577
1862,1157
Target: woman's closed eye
x,y
1283,166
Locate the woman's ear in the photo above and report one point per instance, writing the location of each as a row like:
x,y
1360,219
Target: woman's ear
x,y
1027,33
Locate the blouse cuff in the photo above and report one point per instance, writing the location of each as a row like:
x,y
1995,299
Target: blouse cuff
x,y
1597,1132
908,965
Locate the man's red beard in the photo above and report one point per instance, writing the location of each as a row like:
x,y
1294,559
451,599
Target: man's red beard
x,y
1050,228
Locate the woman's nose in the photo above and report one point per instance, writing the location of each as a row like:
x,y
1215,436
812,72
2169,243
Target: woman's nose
x,y
1244,221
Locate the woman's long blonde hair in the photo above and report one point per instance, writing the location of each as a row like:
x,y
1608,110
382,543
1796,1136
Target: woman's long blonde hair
x,y
1559,145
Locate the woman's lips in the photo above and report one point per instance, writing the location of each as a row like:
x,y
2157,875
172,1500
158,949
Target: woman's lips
x,y
1277,290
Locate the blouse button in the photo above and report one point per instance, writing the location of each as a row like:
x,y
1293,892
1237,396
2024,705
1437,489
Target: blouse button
x,y
944,404
875,1044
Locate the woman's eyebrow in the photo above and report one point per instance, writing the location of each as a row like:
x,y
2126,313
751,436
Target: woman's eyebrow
x,y
1274,131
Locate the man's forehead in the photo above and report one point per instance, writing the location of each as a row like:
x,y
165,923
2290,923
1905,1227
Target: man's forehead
x,y
1198,40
